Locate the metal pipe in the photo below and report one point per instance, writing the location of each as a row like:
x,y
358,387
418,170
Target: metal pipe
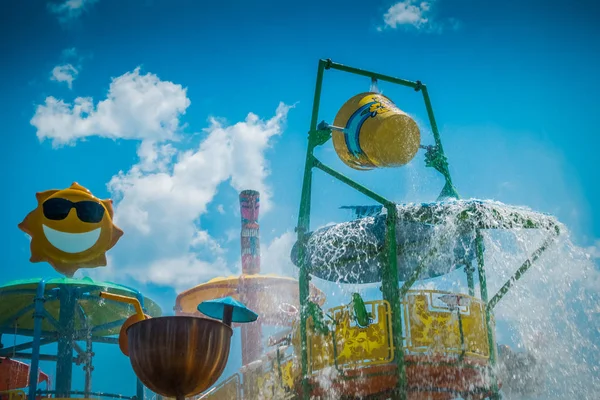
x,y
449,190
470,279
38,316
51,319
110,340
302,230
41,357
373,75
462,335
134,301
78,349
380,199
88,366
415,275
317,97
23,311
64,364
434,127
488,316
24,346
391,294
26,332
139,390
521,271
110,325
96,394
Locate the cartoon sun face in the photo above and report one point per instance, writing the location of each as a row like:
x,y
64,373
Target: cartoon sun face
x,y
71,229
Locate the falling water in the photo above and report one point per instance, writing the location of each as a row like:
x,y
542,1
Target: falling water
x,y
549,316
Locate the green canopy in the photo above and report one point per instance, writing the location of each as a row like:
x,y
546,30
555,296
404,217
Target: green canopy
x,y
103,317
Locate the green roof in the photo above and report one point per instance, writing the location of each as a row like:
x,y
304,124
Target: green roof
x,y
103,316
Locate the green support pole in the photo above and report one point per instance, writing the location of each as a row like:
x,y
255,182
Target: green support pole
x,y
139,390
88,367
391,294
488,315
449,191
470,279
64,364
302,230
434,127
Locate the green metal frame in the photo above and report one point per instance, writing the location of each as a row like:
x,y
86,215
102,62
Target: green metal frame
x,y
434,157
66,336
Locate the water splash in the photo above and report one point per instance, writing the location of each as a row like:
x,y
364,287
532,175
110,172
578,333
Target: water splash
x,y
549,317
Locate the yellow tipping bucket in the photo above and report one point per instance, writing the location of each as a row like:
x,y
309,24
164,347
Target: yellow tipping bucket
x,y
376,133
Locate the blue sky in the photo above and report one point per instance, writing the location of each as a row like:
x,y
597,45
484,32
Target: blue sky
x,y
167,88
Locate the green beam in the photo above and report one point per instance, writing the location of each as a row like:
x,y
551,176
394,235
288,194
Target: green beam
x,y
317,98
449,190
417,272
342,178
391,294
94,394
488,316
41,357
332,65
522,269
470,279
7,351
434,127
303,228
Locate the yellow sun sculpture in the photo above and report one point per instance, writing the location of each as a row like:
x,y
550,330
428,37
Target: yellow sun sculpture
x,y
71,229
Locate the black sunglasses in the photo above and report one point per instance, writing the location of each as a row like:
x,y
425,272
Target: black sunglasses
x,y
87,211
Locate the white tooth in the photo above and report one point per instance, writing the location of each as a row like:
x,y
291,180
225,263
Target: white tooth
x,y
71,242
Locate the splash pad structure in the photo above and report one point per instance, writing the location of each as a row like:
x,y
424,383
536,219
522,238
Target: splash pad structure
x,y
414,342
411,343
64,311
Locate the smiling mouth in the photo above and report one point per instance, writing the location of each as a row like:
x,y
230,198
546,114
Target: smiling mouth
x,y
71,242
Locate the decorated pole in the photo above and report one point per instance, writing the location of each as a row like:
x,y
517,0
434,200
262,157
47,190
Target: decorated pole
x,y
250,251
249,208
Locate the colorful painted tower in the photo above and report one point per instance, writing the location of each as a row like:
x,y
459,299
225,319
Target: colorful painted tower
x,y
250,208
250,248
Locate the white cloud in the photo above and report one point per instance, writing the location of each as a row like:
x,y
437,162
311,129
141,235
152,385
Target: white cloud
x,y
180,273
70,9
275,257
188,270
64,73
408,12
160,201
136,107
415,14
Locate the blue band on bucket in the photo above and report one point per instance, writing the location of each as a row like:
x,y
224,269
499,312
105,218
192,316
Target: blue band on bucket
x,y
353,127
